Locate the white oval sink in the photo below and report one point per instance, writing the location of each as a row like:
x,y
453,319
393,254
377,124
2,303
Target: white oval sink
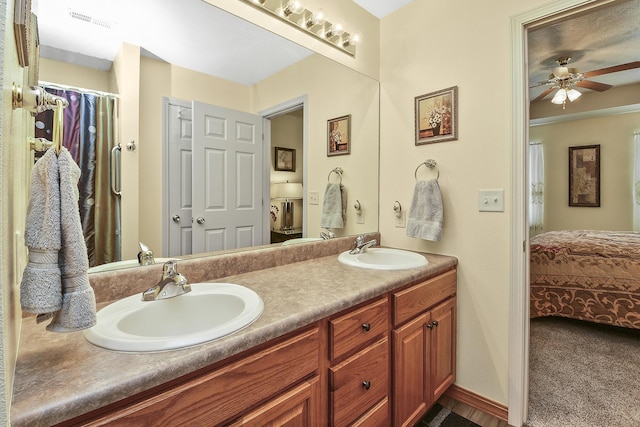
x,y
208,312
299,240
118,265
384,259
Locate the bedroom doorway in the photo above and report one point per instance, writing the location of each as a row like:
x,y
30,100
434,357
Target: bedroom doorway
x,y
519,332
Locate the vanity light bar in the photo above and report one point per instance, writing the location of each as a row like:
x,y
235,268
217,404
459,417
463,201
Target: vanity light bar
x,y
313,23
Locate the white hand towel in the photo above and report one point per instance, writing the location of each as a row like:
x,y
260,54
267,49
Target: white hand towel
x,y
426,213
334,206
40,289
78,300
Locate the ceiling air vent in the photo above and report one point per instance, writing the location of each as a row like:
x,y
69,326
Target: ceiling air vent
x,y
100,22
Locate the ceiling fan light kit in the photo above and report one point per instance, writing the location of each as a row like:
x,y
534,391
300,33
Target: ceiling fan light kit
x,y
564,79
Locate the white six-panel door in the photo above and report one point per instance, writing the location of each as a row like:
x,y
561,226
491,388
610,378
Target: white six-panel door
x,y
227,178
215,178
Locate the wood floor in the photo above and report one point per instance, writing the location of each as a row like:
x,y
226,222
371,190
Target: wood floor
x,y
472,414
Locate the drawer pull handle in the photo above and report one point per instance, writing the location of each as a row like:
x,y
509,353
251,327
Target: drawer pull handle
x,y
431,325
366,385
366,326
435,323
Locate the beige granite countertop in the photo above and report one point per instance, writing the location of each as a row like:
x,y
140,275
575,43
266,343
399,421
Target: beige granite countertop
x,y
61,376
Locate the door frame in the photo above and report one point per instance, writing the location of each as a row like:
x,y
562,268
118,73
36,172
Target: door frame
x,y
267,114
519,272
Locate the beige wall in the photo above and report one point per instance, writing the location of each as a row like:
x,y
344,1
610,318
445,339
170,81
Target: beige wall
x,y
73,75
15,167
614,134
333,91
427,46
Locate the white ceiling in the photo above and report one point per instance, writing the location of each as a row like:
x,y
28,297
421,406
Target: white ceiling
x,y
381,8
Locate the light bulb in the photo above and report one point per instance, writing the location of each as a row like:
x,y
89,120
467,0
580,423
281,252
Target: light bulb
x,y
315,19
573,94
293,6
353,39
338,28
560,96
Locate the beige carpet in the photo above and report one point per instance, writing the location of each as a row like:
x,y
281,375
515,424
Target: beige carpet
x,y
583,374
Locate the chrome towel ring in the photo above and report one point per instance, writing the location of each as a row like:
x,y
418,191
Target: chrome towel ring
x,y
431,164
337,171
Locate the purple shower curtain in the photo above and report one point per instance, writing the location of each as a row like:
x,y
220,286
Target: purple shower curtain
x,y
88,135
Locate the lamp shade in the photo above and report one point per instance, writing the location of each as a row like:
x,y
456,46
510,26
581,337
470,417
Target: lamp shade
x,y
286,190
560,96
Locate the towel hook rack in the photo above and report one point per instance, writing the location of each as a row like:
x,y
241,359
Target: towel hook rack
x,y
431,164
337,171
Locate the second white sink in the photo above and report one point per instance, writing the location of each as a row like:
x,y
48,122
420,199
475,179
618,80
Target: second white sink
x,y
208,312
384,259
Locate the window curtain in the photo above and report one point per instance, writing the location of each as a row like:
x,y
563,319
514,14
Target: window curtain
x,y
636,181
89,135
536,189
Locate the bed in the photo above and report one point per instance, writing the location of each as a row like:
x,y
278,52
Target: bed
x,y
586,275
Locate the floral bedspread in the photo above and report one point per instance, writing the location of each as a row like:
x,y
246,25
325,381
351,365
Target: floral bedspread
x,y
586,275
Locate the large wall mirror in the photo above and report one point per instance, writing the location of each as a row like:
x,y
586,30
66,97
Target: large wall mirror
x,y
294,91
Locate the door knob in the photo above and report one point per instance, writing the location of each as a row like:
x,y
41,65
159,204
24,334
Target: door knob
x,y
200,220
176,218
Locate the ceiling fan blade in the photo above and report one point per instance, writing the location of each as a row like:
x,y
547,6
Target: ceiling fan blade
x,y
614,69
543,94
588,84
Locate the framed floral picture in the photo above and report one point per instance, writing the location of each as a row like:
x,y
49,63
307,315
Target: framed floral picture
x,y
436,116
285,159
584,176
339,136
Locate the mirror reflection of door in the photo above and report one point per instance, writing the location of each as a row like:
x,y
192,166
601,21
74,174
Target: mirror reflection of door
x,y
220,179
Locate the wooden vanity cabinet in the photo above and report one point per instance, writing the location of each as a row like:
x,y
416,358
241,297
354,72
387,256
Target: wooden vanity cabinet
x,y
359,366
424,346
284,375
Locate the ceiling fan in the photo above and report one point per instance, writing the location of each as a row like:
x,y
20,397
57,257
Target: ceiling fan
x,y
565,79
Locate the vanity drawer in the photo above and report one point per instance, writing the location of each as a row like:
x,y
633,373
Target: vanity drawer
x,y
358,328
359,382
230,390
410,302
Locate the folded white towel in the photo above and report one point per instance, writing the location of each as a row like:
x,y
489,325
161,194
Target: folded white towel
x,y
40,289
334,206
78,300
426,213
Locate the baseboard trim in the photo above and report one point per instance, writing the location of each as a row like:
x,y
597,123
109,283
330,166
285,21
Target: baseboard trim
x,y
479,402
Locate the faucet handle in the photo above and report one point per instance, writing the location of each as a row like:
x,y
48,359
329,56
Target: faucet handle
x,y
170,268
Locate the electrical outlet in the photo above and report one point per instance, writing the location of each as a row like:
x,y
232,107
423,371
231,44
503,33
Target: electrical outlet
x,y
314,196
400,220
360,217
491,200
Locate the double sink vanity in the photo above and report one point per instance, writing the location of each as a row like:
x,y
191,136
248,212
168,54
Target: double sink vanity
x,y
305,334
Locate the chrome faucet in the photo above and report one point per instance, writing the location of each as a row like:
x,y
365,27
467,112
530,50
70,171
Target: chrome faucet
x,y
145,256
361,245
171,285
327,234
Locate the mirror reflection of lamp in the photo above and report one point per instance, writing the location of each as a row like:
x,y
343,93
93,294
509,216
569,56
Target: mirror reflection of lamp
x,y
287,192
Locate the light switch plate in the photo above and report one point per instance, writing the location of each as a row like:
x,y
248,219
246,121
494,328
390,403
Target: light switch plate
x,y
400,220
491,200
314,196
360,217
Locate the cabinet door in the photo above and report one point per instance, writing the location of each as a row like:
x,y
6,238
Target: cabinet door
x,y
411,370
296,408
443,347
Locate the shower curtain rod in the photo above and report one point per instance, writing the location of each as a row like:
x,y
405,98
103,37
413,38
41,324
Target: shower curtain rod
x,y
76,89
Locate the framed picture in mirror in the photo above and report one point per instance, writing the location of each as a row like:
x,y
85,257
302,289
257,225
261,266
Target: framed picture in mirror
x,y
436,116
339,136
22,30
285,159
584,176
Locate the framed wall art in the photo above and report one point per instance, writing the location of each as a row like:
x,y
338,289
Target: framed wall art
x,y
436,116
22,30
285,159
339,136
584,176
